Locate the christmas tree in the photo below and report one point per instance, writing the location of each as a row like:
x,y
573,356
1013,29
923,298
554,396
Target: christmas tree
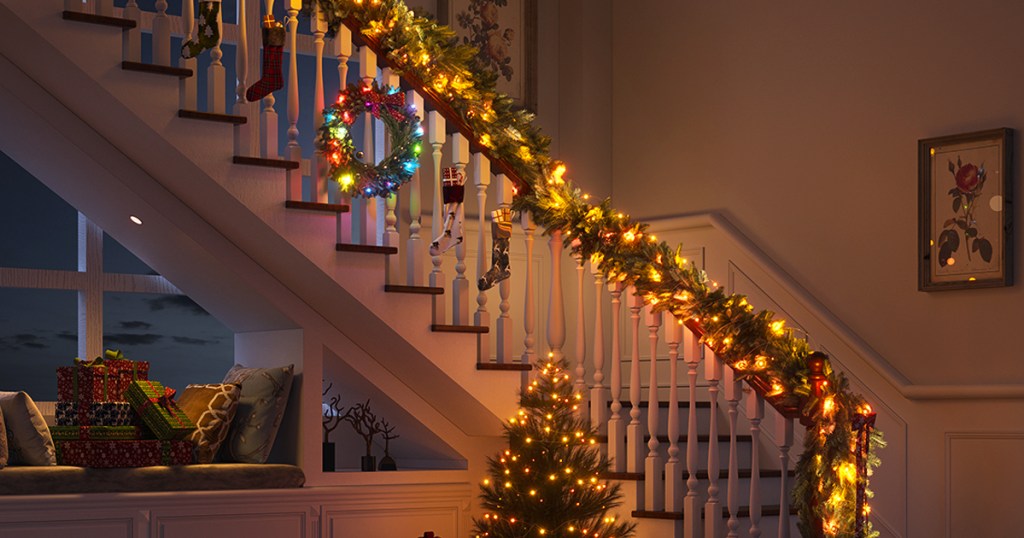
x,y
547,483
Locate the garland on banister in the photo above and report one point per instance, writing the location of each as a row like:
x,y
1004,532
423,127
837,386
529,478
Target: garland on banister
x,y
838,457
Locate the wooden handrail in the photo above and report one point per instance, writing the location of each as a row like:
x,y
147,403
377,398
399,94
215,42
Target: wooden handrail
x,y
438,104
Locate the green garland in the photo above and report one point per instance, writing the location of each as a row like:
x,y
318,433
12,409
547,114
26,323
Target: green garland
x,y
757,346
334,139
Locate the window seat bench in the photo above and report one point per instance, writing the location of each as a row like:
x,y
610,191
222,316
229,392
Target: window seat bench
x,y
218,476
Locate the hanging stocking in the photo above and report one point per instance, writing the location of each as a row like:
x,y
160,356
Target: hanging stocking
x,y
273,46
453,191
208,33
501,232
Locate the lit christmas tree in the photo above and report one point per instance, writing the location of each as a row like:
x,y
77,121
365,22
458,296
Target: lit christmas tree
x,y
547,483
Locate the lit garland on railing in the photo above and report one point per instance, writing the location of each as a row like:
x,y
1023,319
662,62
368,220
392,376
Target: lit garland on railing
x,y
832,471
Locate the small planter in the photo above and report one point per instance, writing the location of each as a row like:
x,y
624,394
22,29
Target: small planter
x,y
328,457
369,463
387,463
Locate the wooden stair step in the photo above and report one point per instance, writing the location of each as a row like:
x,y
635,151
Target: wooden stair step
x,y
744,511
723,438
369,249
317,206
473,329
124,24
504,367
422,290
622,476
179,72
267,163
211,116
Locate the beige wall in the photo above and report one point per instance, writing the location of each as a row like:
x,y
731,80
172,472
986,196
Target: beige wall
x,y
800,120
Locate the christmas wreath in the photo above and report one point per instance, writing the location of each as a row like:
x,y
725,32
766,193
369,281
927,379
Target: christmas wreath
x,y
334,139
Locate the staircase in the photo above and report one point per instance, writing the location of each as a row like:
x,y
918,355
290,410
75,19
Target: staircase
x,y
256,215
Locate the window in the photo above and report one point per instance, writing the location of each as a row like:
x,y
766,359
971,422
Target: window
x,y
52,311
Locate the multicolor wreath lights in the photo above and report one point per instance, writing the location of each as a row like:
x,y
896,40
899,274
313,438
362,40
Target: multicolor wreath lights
x,y
831,477
334,139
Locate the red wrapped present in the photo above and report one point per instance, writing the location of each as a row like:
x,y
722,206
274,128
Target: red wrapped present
x,y
114,454
95,433
155,404
102,379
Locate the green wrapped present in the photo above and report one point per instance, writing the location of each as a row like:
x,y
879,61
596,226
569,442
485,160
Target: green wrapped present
x,y
155,404
95,433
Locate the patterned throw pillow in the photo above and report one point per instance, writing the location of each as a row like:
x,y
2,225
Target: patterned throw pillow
x,y
28,438
212,408
3,441
260,409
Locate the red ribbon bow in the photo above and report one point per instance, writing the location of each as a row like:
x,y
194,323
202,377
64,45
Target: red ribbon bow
x,y
392,102
165,401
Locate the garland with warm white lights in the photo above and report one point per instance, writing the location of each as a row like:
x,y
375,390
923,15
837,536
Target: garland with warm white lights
x,y
832,472
334,139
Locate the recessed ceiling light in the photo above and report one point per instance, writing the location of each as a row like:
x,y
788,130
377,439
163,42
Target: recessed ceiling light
x,y
136,220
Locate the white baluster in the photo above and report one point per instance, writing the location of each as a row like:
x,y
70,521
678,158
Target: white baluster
x,y
318,167
460,284
529,308
268,117
784,437
504,325
580,385
616,435
104,7
342,43
389,234
733,392
131,39
293,178
654,485
161,35
634,455
712,507
188,87
482,318
691,503
243,131
755,412
436,136
364,210
415,248
673,469
215,77
556,306
598,395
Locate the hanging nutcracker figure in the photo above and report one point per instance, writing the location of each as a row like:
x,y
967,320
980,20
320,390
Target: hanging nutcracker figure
x,y
453,190
501,233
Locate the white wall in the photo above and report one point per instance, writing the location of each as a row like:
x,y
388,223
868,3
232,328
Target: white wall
x,y
800,120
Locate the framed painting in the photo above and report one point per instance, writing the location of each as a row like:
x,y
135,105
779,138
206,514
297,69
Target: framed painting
x,y
965,205
505,32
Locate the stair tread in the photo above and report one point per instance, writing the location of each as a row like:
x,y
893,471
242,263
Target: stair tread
x,y
371,249
269,163
211,116
424,290
118,22
179,72
661,405
743,511
440,328
317,206
508,366
702,475
683,437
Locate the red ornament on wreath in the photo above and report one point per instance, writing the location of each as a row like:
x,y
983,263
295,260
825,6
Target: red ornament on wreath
x,y
345,166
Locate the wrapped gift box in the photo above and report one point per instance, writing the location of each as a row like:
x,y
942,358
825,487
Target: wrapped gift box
x,y
95,433
155,405
96,414
113,454
102,379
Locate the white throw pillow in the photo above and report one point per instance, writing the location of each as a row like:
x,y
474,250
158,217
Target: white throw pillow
x,y
28,438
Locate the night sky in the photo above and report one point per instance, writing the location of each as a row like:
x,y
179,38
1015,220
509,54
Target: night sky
x,y
38,328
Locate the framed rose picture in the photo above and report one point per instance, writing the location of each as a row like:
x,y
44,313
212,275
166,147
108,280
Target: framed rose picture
x,y
505,33
966,221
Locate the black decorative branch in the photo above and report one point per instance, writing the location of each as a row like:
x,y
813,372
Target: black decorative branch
x,y
365,423
335,415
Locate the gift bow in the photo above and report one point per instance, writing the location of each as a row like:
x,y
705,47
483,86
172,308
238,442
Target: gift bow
x,y
91,363
167,400
113,355
863,420
376,100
